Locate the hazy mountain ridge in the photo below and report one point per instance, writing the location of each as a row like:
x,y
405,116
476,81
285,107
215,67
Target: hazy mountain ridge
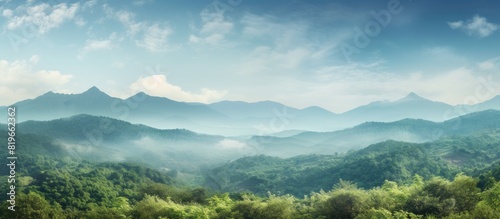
x,y
411,106
105,139
407,130
234,118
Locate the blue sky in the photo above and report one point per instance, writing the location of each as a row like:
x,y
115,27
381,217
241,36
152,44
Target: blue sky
x,y
332,54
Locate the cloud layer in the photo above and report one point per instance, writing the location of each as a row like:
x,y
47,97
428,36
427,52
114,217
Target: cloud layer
x,y
157,85
152,36
20,81
40,18
214,30
290,52
477,26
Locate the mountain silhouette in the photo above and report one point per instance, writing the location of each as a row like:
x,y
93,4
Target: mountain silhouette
x,y
235,118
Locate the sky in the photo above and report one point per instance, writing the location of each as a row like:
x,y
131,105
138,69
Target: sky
x,y
336,54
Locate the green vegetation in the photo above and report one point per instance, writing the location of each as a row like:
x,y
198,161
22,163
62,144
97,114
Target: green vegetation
x,y
61,187
368,168
454,177
51,188
101,192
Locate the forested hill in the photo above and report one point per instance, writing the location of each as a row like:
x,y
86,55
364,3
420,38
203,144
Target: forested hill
x,y
63,188
104,139
53,183
87,128
368,168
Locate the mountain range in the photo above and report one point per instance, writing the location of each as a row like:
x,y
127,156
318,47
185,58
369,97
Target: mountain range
x,y
104,139
101,138
414,145
235,118
360,136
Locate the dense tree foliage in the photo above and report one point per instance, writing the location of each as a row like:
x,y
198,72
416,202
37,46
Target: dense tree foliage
x,y
454,177
434,198
63,188
368,168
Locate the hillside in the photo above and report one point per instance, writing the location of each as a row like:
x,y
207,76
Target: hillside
x,y
368,168
65,172
105,139
59,187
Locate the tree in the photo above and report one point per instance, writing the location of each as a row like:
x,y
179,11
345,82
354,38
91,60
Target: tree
x,y
104,213
375,214
278,208
33,205
152,207
344,204
464,191
220,205
492,196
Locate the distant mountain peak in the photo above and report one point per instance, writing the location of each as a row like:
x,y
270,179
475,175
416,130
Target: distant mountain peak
x,y
317,109
94,91
412,96
140,96
48,93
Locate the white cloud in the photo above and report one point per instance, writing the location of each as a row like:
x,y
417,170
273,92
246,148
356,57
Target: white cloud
x,y
34,59
89,4
266,60
214,30
444,54
286,47
157,85
455,25
128,20
282,34
98,44
20,82
52,78
80,21
354,84
155,38
150,36
141,2
42,17
228,144
7,13
478,26
92,45
490,64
